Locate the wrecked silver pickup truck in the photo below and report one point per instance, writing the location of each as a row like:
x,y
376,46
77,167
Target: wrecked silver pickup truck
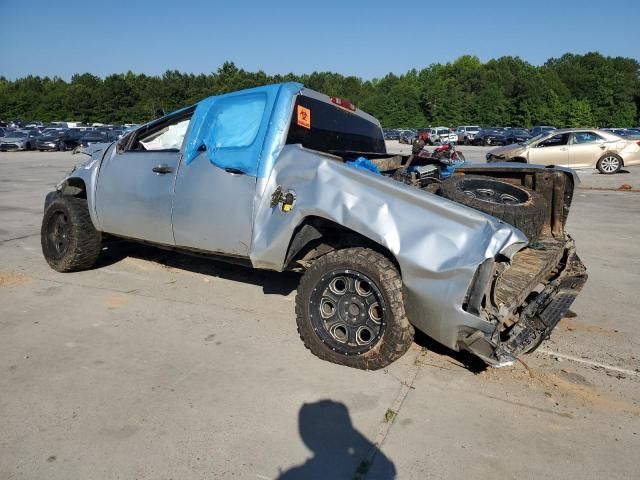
x,y
284,178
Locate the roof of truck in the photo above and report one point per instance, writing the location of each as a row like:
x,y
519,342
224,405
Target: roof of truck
x,y
244,119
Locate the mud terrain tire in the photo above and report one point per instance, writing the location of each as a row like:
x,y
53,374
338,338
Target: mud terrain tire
x,y
69,240
516,205
389,337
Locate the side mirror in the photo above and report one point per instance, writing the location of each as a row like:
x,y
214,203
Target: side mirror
x,y
121,145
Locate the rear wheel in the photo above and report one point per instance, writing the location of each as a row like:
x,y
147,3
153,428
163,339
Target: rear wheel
x,y
350,309
609,163
68,238
458,157
514,204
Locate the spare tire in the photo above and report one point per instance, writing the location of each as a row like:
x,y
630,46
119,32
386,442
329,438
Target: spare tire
x,y
514,204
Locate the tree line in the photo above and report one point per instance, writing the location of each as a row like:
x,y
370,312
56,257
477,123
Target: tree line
x,y
570,91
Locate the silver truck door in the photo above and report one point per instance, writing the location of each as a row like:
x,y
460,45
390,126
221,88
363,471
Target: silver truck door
x,y
213,208
135,184
215,190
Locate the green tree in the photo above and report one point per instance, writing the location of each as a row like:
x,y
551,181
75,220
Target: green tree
x,y
588,89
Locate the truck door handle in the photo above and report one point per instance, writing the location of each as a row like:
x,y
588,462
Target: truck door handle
x,y
162,169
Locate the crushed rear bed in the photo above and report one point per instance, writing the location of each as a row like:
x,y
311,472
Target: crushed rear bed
x,y
529,268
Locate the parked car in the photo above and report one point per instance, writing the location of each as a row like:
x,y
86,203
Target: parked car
x,y
516,135
467,133
49,141
14,140
575,148
628,133
391,134
440,135
490,136
58,130
96,136
246,177
540,129
407,136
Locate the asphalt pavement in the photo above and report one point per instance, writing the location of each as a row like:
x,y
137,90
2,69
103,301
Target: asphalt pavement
x,y
157,365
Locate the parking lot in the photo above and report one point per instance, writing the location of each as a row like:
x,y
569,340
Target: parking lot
x,y
160,365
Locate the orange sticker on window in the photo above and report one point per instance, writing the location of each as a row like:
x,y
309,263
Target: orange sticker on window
x,y
304,117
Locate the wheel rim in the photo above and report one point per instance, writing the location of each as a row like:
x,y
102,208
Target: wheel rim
x,y
609,164
490,195
58,230
348,312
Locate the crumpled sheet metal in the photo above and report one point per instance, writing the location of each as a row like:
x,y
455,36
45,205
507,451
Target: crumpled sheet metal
x,y
231,127
438,243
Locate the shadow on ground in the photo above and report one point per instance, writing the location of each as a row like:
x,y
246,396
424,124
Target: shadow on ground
x,y
339,450
276,283
271,282
468,361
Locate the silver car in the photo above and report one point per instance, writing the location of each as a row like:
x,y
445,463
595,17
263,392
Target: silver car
x,y
18,140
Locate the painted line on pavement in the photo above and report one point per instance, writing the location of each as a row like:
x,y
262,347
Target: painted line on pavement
x,y
588,362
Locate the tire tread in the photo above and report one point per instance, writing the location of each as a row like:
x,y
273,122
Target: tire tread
x,y
86,241
398,335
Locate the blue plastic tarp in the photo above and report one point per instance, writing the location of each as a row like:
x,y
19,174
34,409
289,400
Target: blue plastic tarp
x,y
364,164
242,130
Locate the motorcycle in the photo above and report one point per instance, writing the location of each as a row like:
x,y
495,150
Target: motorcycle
x,y
427,169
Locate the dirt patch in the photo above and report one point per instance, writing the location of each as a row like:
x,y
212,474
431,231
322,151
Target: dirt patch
x,y
566,384
116,300
563,386
621,188
150,265
9,279
144,265
571,325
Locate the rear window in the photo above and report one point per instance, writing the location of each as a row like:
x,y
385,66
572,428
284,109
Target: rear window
x,y
321,126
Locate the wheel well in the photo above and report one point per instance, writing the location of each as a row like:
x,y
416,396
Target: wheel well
x,y
74,187
317,236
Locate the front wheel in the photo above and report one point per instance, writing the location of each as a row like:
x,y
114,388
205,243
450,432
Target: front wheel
x,y
68,238
350,309
609,163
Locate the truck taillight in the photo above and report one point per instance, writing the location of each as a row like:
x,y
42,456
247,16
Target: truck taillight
x,y
341,102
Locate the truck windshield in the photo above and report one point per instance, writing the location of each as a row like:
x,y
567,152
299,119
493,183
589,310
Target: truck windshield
x,y
329,128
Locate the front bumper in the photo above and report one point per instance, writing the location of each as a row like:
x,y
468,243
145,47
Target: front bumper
x,y
536,318
47,146
11,147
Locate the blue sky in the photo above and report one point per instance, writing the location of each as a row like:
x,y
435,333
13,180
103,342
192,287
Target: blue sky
x,y
363,38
